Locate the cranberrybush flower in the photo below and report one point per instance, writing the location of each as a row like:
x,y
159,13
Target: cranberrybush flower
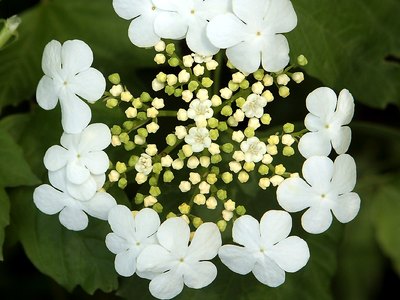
x,y
254,106
326,120
131,234
268,250
327,188
189,18
142,13
68,75
177,263
253,149
200,110
72,211
198,138
252,33
144,164
79,164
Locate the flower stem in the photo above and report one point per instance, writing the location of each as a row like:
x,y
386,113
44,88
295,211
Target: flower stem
x,y
217,74
167,113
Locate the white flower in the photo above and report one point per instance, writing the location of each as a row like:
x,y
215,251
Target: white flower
x,y
253,149
198,138
131,234
252,33
200,110
254,106
79,164
268,250
72,211
142,13
327,187
68,75
189,18
327,124
144,164
177,263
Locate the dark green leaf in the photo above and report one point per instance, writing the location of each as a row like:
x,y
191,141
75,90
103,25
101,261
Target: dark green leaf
x,y
4,217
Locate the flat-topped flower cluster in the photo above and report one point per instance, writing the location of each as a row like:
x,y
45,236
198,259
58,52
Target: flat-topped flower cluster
x,y
219,139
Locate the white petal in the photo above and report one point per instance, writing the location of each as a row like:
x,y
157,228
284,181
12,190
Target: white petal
x,y
55,158
127,9
155,258
281,16
170,25
141,32
205,243
115,243
346,207
268,272
314,143
313,123
246,232
321,102
95,137
197,40
100,205
275,225
89,84
48,200
275,53
345,107
147,222
210,9
84,191
341,140
318,171
46,94
250,11
122,222
125,263
73,218
225,31
99,179
170,5
166,285
291,254
237,259
51,59
76,56
245,56
96,162
58,180
76,114
173,235
294,194
70,141
344,174
199,274
77,173
316,219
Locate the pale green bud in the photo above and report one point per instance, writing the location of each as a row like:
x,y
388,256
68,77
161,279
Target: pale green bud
x,y
302,60
288,128
240,101
168,176
114,78
193,85
116,129
171,139
142,116
214,134
111,103
184,208
170,49
139,198
280,169
259,74
227,177
206,82
197,222
158,207
229,65
222,126
155,191
129,146
157,168
212,122
233,86
143,132
266,119
227,147
171,215
221,224
145,97
122,183
284,91
288,151
244,85
153,181
215,170
243,176
249,166
120,167
226,111
128,125
221,194
124,137
133,160
216,158
212,178
263,170
240,210
249,132
169,90
173,62
178,92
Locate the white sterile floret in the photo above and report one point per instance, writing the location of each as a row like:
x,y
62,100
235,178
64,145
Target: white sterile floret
x,y
130,235
185,186
166,161
253,149
178,264
144,165
326,120
189,18
198,138
238,136
72,211
180,132
152,127
254,106
327,189
200,110
78,166
182,115
251,34
142,13
268,251
68,75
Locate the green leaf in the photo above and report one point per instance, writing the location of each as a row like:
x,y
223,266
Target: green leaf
x,y
70,258
95,22
14,170
347,43
4,217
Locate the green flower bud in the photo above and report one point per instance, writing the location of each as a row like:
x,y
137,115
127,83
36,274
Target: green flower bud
x,y
139,198
111,103
214,134
137,103
153,181
263,170
158,207
169,90
171,215
133,160
161,77
181,155
302,60
212,122
215,170
143,132
221,194
288,151
249,166
116,130
128,125
211,178
171,139
226,111
227,147
114,78
249,132
288,128
142,116
124,137
157,168
259,74
229,65
221,224
193,85
122,183
184,208
178,92
240,101
227,177
120,167
266,119
173,62
145,97
222,126
206,82
170,49
240,210
216,158
168,176
233,86
284,91
129,146
197,222
155,191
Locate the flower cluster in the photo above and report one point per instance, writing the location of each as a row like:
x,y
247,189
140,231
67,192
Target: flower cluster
x,y
218,139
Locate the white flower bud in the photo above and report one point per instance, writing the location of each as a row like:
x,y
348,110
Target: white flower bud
x,y
151,149
272,149
238,115
188,61
166,161
152,112
238,77
177,164
235,166
113,176
276,180
185,186
140,178
254,123
194,178
298,77
139,140
268,80
160,46
268,95
201,123
202,94
180,132
204,188
187,95
198,70
294,175
214,149
158,103
232,122
264,183
126,96
159,58
182,115
238,156
238,136
211,203
226,93
187,150
156,85
116,90
211,65
227,215
185,218
192,162
230,205
172,79
152,127
283,79
199,199
267,159
287,139
183,76
257,88
243,176
149,201
115,141
131,112
205,161
216,101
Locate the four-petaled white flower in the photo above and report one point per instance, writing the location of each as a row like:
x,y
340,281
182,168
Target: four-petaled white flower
x,y
327,124
253,149
328,187
131,234
177,263
142,13
252,33
79,165
254,106
144,165
198,138
268,250
200,110
189,18
72,211
68,75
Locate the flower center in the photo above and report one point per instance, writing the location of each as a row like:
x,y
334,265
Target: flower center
x,y
192,11
181,260
258,33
